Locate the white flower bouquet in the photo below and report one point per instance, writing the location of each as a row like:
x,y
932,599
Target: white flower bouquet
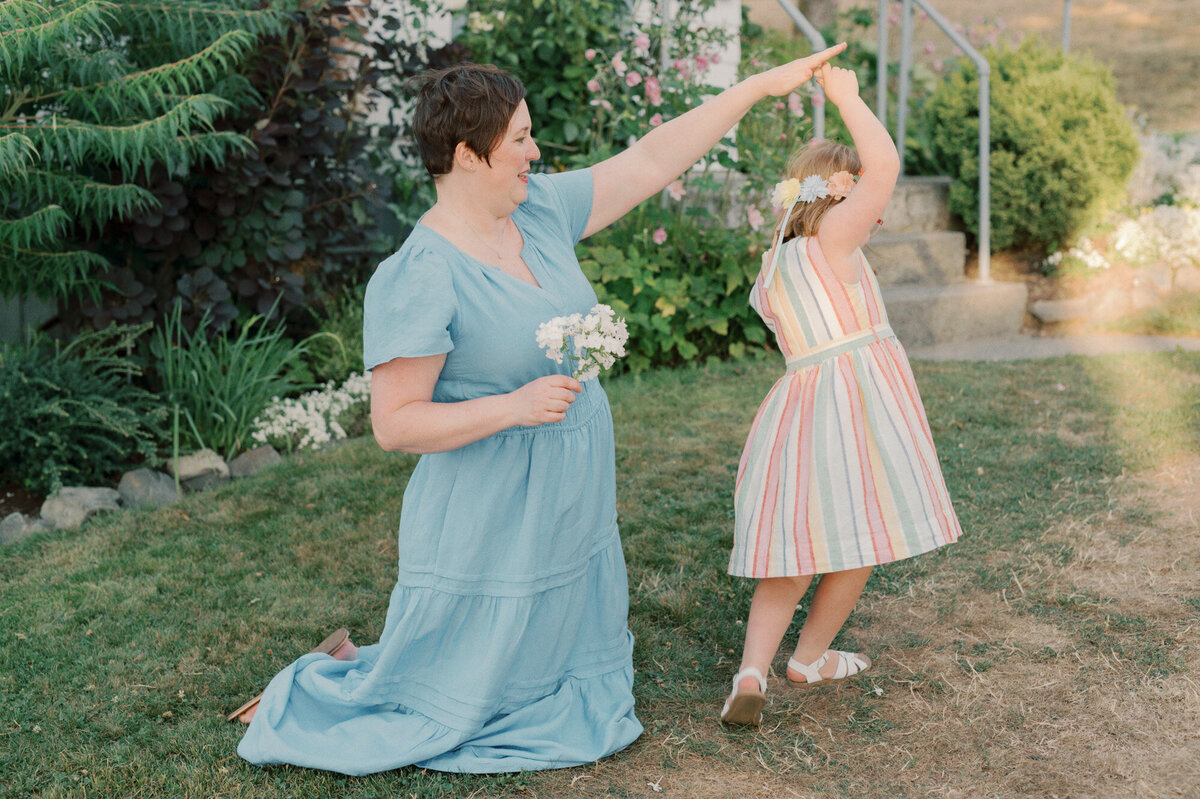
x,y
596,340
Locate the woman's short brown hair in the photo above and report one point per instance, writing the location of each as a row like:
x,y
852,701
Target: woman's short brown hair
x,y
471,103
818,157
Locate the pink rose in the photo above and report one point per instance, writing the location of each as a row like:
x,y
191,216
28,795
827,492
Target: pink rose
x,y
641,43
795,105
780,106
676,190
632,78
618,64
928,48
818,99
659,236
593,85
589,54
653,91
701,63
656,120
840,184
754,217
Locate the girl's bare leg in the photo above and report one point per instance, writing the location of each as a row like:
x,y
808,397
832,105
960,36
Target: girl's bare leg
x,y
834,599
771,612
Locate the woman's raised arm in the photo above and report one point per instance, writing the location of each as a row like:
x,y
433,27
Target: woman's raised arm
x,y
622,182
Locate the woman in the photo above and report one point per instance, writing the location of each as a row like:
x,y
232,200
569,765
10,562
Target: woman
x,y
505,645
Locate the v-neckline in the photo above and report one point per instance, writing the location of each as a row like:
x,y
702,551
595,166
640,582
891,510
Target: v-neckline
x,y
538,285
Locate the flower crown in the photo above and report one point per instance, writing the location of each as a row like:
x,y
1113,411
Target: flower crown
x,y
812,188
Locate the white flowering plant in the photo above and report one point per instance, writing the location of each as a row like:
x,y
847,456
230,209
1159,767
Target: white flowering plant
x,y
589,344
317,418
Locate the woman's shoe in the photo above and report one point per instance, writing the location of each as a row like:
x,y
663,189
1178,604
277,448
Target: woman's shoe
x,y
745,706
849,664
331,644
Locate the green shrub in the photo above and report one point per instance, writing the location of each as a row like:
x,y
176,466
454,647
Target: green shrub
x,y
218,385
684,299
1062,147
70,415
336,352
543,43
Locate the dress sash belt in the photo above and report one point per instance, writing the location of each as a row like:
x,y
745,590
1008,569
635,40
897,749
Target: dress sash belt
x,y
832,349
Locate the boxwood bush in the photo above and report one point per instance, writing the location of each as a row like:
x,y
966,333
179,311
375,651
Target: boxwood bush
x,y
1062,146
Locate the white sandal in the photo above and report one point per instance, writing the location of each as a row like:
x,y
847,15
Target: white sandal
x,y
849,664
745,706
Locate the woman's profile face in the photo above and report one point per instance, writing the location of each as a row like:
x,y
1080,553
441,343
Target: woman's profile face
x,y
508,175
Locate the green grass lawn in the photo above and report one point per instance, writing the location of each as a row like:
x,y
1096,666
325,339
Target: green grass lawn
x,y
126,642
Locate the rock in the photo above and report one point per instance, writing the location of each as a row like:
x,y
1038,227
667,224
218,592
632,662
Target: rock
x,y
13,528
71,506
1060,310
1142,296
147,488
254,460
200,470
1110,305
1187,278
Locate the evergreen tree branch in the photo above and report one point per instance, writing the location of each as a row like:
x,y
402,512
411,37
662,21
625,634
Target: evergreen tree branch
x,y
42,228
166,138
143,90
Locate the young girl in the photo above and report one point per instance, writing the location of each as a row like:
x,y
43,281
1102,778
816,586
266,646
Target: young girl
x,y
839,472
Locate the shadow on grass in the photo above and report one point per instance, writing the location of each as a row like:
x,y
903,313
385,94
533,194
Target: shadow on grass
x,y
125,642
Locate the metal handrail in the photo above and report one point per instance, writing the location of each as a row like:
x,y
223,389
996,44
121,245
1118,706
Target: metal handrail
x,y
818,44
985,131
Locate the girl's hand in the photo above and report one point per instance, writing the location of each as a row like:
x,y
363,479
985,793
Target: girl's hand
x,y
783,79
839,84
544,400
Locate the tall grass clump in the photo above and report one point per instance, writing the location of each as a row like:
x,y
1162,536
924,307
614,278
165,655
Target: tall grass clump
x,y
71,414
219,384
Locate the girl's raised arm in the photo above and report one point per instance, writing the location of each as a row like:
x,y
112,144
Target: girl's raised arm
x,y
849,222
622,182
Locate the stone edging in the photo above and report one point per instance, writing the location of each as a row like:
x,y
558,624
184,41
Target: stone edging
x,y
71,506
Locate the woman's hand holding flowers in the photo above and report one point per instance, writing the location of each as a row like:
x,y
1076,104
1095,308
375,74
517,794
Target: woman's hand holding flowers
x,y
544,400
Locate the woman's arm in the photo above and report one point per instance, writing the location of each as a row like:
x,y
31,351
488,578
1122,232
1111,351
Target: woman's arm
x,y
638,173
849,222
405,418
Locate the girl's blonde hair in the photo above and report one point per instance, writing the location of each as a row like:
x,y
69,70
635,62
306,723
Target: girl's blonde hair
x,y
818,157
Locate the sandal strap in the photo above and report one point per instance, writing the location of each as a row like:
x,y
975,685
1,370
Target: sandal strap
x,y
849,664
749,671
811,672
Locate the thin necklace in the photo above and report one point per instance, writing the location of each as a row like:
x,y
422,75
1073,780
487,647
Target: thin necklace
x,y
499,255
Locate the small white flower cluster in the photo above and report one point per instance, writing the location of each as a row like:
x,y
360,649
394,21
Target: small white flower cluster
x,y
1085,253
311,420
1170,165
1168,234
597,340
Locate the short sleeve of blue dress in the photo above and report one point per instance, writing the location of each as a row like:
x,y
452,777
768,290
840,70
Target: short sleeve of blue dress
x,y
506,645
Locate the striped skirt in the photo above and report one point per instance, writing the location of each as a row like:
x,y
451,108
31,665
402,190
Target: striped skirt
x,y
839,469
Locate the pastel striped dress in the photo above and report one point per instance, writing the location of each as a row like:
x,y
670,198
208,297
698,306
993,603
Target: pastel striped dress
x,y
839,469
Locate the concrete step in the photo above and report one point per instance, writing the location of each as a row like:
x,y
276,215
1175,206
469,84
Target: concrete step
x,y
920,204
929,258
924,316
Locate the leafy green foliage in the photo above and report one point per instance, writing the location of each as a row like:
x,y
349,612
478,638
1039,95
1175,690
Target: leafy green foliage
x,y
684,299
219,384
1062,147
98,93
70,414
296,213
543,43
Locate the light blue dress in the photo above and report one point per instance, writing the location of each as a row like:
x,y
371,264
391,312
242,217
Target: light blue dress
x,y
506,645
